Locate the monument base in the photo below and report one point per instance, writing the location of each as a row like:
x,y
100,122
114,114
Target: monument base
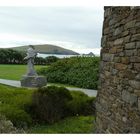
x,y
33,81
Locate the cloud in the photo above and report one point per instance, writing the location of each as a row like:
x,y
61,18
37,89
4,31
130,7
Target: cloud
x,y
75,25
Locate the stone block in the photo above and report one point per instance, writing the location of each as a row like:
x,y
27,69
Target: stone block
x,y
138,45
137,66
114,71
138,77
129,98
129,53
120,66
127,39
130,46
106,31
103,41
130,24
137,92
118,31
125,60
139,104
117,59
135,59
134,84
33,81
118,41
135,37
113,50
107,57
125,33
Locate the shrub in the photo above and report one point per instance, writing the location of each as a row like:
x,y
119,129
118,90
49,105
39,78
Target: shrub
x,y
51,59
18,117
52,103
49,103
77,71
14,105
81,104
6,126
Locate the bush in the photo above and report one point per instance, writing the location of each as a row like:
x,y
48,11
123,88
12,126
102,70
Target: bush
x,y
18,117
6,126
52,103
49,104
77,71
81,104
51,59
14,105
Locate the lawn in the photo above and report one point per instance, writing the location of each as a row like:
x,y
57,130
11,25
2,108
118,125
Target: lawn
x,y
14,72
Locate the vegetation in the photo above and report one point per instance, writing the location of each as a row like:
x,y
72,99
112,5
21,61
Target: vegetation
x,y
52,103
51,59
77,124
14,103
80,104
19,104
10,56
6,126
77,71
49,104
14,72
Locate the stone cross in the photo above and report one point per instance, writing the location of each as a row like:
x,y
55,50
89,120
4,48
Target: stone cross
x,y
31,54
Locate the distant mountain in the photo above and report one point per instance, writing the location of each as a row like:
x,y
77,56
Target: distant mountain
x,y
91,53
48,49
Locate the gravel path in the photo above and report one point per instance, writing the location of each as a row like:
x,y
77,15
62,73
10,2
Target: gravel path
x,y
89,92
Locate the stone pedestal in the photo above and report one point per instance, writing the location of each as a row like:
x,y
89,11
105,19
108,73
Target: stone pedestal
x,y
33,81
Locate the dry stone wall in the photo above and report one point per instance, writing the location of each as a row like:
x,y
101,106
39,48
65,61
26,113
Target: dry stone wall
x,y
118,99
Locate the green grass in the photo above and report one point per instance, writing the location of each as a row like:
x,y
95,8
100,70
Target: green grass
x,y
14,103
79,124
14,72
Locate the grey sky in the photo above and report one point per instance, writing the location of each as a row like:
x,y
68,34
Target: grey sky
x,y
76,28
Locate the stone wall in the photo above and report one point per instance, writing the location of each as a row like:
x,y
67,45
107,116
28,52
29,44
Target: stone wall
x,y
118,99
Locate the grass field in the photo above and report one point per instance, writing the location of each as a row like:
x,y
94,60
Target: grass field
x,y
14,72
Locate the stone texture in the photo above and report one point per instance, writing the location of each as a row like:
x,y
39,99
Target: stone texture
x,y
134,84
128,97
118,41
135,37
107,57
120,66
118,98
130,46
33,81
139,104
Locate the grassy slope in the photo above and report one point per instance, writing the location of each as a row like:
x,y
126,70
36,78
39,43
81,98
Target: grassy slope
x,y
79,124
17,98
48,49
13,72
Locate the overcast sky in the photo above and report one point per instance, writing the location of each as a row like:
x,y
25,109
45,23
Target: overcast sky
x,y
75,28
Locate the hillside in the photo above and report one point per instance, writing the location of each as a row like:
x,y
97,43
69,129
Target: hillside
x,y
48,49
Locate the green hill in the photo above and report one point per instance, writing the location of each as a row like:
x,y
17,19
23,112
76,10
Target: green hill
x,y
47,49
